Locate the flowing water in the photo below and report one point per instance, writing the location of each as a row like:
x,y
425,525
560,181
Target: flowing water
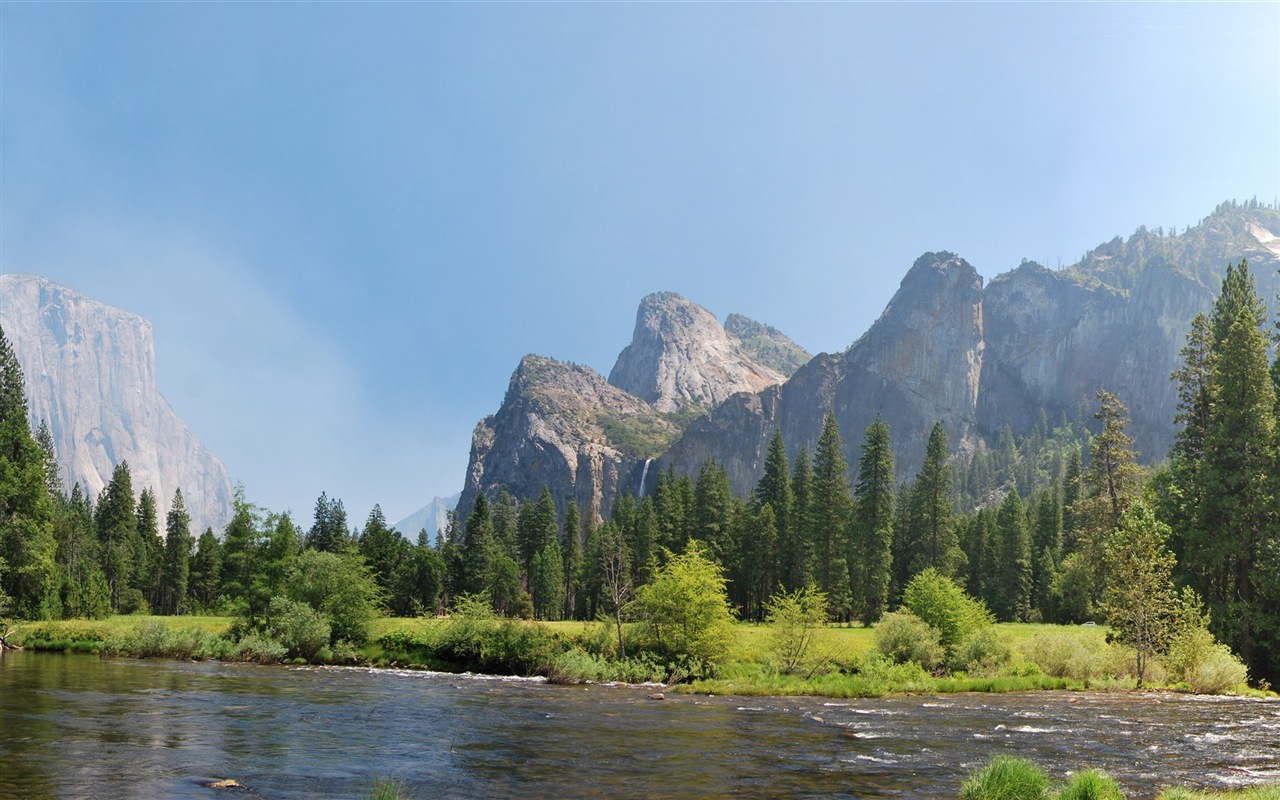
x,y
79,726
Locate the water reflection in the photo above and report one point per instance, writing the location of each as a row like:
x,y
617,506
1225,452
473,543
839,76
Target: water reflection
x,y
78,726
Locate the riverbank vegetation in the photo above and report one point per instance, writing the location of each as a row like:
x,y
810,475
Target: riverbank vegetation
x,y
1180,562
1012,778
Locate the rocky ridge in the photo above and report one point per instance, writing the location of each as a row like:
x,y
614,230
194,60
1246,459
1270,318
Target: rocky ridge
x,y
947,348
90,373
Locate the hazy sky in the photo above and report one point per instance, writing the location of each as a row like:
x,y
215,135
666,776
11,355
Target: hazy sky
x,y
348,221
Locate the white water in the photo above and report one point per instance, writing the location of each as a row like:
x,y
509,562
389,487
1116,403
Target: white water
x,y
643,473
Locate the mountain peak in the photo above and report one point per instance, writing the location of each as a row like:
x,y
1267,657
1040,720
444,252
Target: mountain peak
x,y
680,356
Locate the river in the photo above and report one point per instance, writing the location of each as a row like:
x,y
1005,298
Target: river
x,y
83,727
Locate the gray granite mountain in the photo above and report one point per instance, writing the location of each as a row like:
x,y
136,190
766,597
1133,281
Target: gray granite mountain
x,y
946,348
588,438
90,373
431,518
681,356
565,426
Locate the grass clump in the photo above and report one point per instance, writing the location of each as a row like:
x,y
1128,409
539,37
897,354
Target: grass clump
x,y
1091,784
1006,778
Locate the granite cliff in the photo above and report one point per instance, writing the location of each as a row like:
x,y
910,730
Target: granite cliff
x,y
90,373
681,356
588,438
946,348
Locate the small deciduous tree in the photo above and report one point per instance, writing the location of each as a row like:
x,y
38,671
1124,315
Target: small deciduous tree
x,y
941,603
797,618
1140,601
685,608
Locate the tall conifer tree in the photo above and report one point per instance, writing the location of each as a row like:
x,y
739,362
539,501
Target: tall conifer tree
x,y
830,504
871,534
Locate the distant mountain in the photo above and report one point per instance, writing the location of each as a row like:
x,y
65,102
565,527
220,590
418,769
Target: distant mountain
x,y
947,348
90,373
587,438
680,356
430,518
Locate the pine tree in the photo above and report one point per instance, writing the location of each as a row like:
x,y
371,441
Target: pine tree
x,y
546,582
673,504
1112,480
240,543
1070,495
796,571
52,472
117,524
384,549
830,505
933,539
571,549
205,580
420,582
148,555
329,529
478,549
28,566
176,572
774,490
1046,543
536,526
713,511
1236,531
504,512
871,534
1010,590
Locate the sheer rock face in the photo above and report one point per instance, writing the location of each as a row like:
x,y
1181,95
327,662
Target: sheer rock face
x,y
680,355
920,362
564,426
90,373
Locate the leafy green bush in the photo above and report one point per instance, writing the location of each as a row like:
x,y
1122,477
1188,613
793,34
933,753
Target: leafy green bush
x,y
983,652
258,649
1091,785
1006,778
1195,658
944,606
880,675
1081,658
903,637
796,637
685,608
341,587
1219,671
302,630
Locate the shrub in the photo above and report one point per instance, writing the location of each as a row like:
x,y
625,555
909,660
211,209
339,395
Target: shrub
x,y
1063,655
983,652
1217,672
341,587
1195,658
904,637
881,675
1006,778
795,640
258,649
941,603
1091,785
302,630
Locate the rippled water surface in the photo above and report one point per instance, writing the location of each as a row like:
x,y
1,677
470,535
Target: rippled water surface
x,y
78,726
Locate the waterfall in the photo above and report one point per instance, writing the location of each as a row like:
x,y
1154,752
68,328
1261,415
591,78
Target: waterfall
x,y
643,472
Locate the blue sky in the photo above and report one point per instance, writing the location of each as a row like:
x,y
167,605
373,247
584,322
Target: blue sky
x,y
347,222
